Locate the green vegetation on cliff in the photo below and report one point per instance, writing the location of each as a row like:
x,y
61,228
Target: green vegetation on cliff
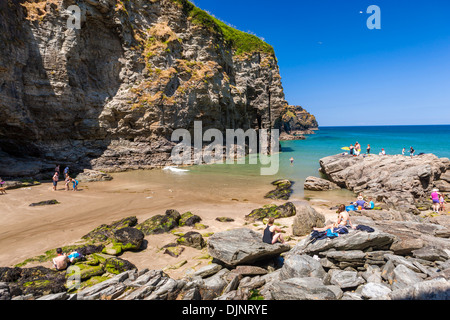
x,y
240,41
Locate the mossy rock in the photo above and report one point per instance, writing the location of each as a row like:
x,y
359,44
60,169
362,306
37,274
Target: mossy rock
x,y
189,219
192,239
224,219
86,271
103,232
282,192
117,265
129,238
38,281
173,249
44,203
113,249
200,226
283,211
160,223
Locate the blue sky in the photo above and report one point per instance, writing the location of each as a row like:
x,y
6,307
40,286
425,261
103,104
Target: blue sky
x,y
343,72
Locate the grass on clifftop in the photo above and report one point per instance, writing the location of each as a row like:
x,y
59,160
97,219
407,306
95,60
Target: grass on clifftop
x,y
240,41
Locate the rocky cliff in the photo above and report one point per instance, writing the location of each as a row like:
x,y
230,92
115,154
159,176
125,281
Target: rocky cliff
x,y
109,94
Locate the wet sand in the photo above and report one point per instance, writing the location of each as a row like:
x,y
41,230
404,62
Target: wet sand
x,y
27,231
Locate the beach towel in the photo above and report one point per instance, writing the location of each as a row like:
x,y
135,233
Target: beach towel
x,y
364,228
341,230
331,234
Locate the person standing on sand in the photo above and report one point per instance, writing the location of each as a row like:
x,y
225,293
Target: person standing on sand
x,y
67,181
55,180
411,151
368,149
272,234
292,160
351,149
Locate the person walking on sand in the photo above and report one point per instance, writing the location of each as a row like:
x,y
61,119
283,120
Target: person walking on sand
x,y
55,180
272,233
403,151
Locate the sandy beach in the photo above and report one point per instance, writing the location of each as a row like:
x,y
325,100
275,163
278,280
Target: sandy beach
x,y
27,231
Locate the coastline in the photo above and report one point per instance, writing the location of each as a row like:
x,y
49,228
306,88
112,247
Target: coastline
x,y
26,232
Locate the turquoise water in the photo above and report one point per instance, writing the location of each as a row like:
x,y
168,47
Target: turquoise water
x,y
328,141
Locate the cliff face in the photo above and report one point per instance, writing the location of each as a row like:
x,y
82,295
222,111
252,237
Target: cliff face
x,y
109,95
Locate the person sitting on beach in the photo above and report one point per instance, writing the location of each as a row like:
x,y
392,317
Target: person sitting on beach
x,y
441,202
360,203
382,153
369,205
61,261
272,233
342,221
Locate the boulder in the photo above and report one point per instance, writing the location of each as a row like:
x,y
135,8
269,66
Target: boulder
x,y
282,192
319,184
283,211
242,246
129,238
189,219
345,279
192,239
89,175
104,232
300,266
354,240
160,223
306,219
306,288
401,182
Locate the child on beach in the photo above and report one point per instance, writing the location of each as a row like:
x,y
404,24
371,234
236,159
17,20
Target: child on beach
x,y
55,180
75,184
441,203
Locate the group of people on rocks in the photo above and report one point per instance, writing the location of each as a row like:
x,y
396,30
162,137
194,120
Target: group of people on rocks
x,y
355,150
67,179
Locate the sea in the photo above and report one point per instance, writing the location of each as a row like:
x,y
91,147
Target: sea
x,y
326,141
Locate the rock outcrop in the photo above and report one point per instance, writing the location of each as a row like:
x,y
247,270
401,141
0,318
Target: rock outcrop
x,y
296,122
401,182
109,95
319,184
